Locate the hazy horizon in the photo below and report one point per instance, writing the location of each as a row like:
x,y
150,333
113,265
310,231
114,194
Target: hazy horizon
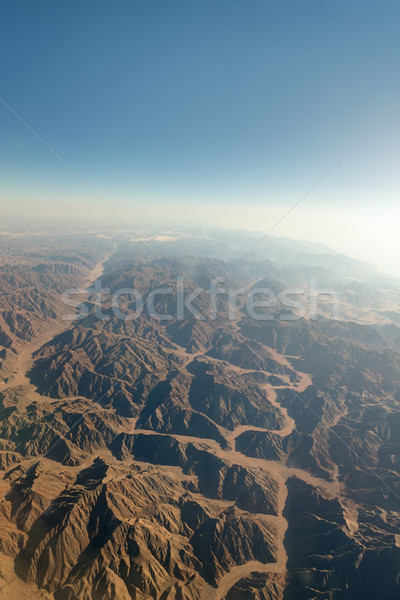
x,y
353,242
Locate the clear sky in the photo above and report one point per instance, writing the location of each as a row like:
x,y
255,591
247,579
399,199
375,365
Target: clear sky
x,y
211,109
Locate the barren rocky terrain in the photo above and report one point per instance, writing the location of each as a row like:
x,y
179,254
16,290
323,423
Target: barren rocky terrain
x,y
195,457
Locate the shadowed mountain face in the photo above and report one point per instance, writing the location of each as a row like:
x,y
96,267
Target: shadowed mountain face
x,y
180,445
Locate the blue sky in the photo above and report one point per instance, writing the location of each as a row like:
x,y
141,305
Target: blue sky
x,y
200,101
